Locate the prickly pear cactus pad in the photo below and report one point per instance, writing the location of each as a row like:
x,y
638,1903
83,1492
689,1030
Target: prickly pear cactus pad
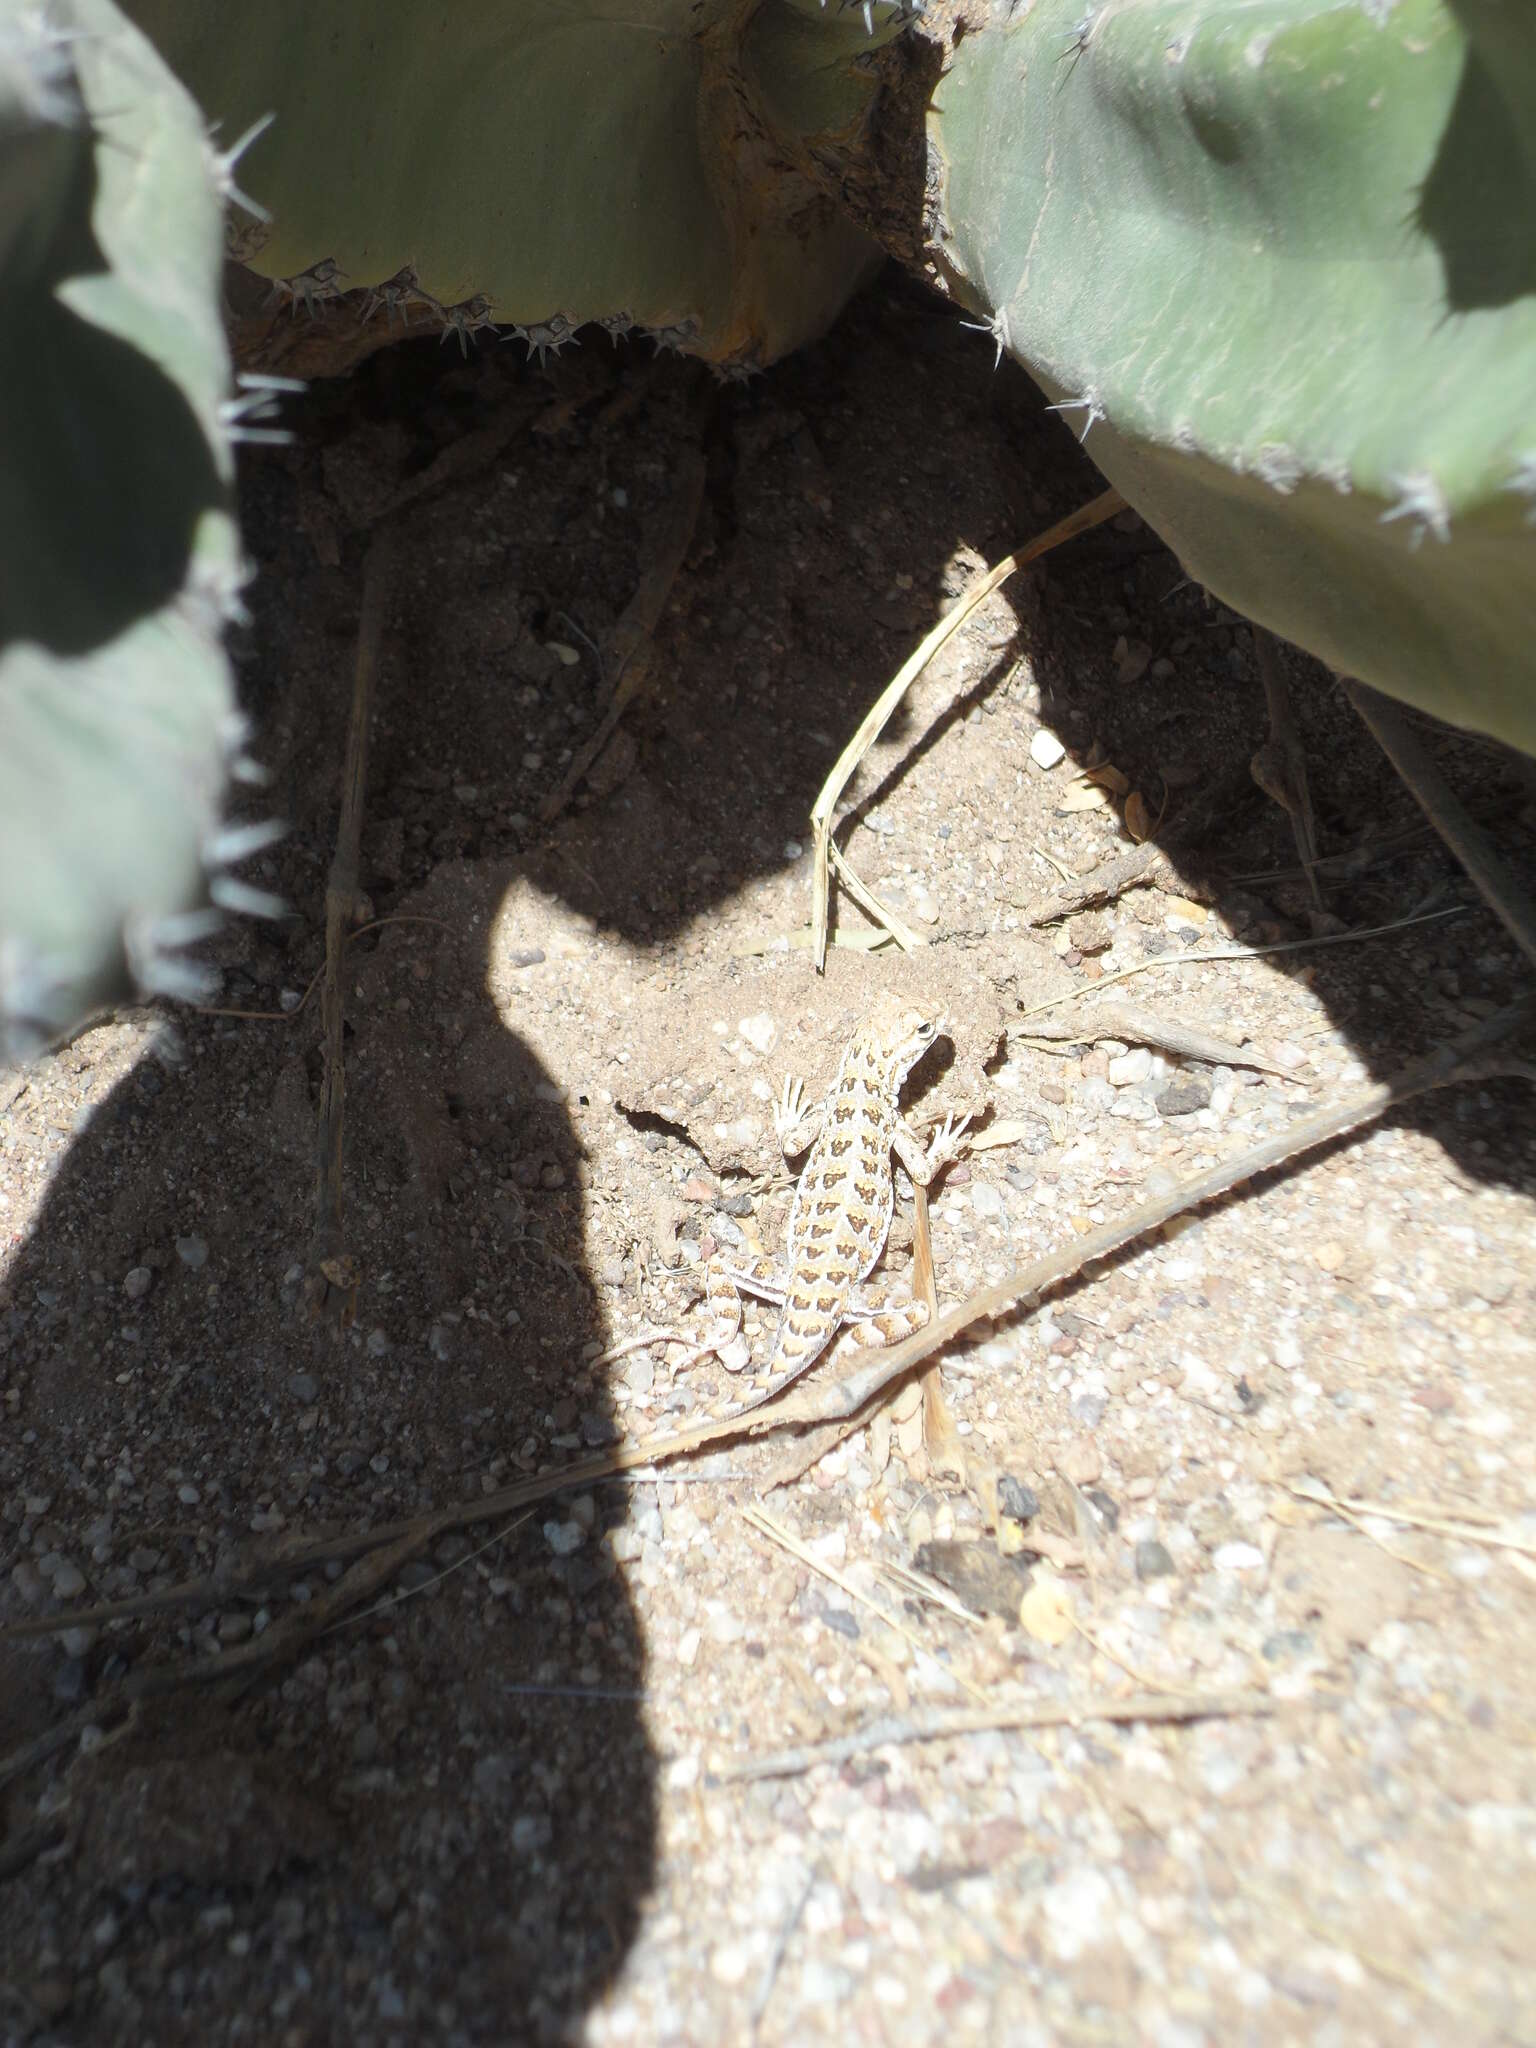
x,y
119,550
1275,261
553,162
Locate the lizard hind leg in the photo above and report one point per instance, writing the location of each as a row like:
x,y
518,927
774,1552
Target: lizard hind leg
x,y
873,1329
724,1280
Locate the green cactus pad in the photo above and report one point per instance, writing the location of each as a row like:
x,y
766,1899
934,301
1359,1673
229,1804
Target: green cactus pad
x,y
570,157
1274,260
121,554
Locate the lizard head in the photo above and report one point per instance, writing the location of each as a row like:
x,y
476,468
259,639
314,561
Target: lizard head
x,y
900,1032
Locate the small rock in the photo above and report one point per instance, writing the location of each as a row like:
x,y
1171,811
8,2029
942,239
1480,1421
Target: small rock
x,y
688,1646
724,1624
1016,1500
1045,749
1090,933
564,1538
730,1962
1152,1560
192,1252
1131,658
68,1581
760,1032
640,1375
1130,1069
1184,1094
69,1685
1095,1096
305,1388
823,1984
29,1582
985,1199
1077,1909
1105,1506
1238,1557
188,1495
137,1283
1080,1461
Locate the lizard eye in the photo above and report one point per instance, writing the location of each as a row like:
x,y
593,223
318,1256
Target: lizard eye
x,y
925,1030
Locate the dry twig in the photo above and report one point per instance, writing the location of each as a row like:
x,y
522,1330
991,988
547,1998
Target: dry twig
x,y
331,1282
823,850
944,1726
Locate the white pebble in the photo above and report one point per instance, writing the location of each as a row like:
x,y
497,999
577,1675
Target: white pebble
x,y
985,1200
564,1538
760,1032
138,1283
724,1624
1238,1557
1130,1069
1077,1910
1045,749
730,1962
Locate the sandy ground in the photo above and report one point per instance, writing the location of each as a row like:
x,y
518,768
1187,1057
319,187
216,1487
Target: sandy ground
x,y
555,1774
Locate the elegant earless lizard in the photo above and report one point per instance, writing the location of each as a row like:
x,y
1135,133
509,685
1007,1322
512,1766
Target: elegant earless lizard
x,y
842,1206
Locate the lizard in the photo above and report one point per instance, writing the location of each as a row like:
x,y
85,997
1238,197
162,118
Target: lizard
x,y
842,1207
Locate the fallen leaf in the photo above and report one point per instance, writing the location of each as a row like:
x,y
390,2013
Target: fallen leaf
x,y
1083,796
1138,819
1007,1131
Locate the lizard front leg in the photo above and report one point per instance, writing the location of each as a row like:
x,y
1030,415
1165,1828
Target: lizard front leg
x,y
796,1122
948,1143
